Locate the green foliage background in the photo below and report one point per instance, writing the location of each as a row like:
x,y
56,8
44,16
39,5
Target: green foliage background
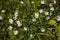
x,y
26,12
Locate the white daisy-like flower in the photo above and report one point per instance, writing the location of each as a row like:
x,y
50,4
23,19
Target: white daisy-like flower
x,y
11,21
42,30
32,2
50,5
54,1
21,2
15,32
41,10
14,18
36,15
10,27
3,11
42,2
16,13
58,18
46,13
0,17
18,23
47,18
52,8
34,20
31,35
25,28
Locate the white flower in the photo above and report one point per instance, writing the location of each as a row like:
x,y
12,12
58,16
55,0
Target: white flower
x,y
46,13
52,8
10,27
42,2
47,18
18,23
50,29
3,11
54,1
36,15
14,18
58,18
25,28
11,21
41,10
16,13
31,35
0,17
15,32
32,2
42,30
33,20
50,5
21,2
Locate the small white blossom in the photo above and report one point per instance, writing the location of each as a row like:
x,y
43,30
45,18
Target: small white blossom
x,y
42,30
50,5
11,21
16,13
41,10
3,11
0,17
32,2
14,18
46,13
42,2
25,28
52,8
15,32
31,35
36,15
58,18
18,23
50,29
54,1
47,18
10,27
33,20
21,2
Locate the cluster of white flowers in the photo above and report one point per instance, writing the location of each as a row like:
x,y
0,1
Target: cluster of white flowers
x,y
10,27
42,30
18,23
11,21
25,28
0,17
15,32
